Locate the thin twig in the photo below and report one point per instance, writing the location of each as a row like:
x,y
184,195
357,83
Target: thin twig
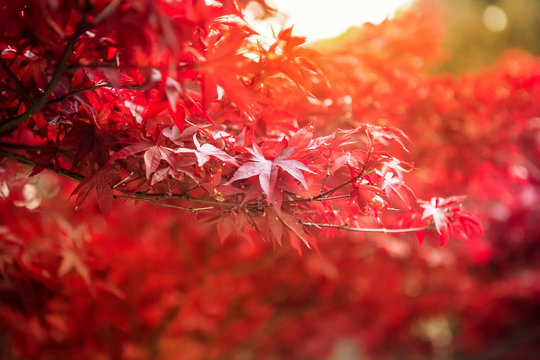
x,y
75,93
123,180
81,91
117,67
155,202
314,199
323,183
370,230
62,172
362,173
23,147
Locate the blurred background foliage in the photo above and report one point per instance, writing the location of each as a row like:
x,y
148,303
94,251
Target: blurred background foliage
x,y
477,31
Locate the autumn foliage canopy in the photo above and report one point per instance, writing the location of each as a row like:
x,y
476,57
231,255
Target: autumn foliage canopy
x,y
159,159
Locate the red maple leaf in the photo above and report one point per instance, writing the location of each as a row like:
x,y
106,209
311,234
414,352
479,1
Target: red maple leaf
x,y
449,218
205,151
99,184
394,186
267,169
153,154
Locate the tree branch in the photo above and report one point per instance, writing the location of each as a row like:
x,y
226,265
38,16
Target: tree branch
x,y
370,230
167,205
62,172
83,90
215,205
75,93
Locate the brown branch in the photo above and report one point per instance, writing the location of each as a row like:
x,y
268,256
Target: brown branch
x,y
117,67
167,205
215,205
75,93
185,197
62,172
314,199
22,146
370,230
83,90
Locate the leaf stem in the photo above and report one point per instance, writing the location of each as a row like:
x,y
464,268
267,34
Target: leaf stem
x,y
362,173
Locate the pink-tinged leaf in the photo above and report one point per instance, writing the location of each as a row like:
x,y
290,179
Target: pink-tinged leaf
x,y
211,150
345,159
277,200
275,225
167,155
152,156
201,158
251,193
367,195
267,170
249,169
292,223
99,184
173,90
104,194
113,76
293,167
258,166
205,151
301,140
438,214
268,178
72,262
450,218
395,166
380,134
152,159
159,176
394,186
131,150
289,185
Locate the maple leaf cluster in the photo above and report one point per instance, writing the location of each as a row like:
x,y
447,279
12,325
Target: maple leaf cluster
x,y
193,111
184,127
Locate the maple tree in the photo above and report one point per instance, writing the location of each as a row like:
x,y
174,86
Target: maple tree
x,y
182,106
218,125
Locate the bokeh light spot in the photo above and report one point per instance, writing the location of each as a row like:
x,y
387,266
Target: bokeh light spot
x,y
494,18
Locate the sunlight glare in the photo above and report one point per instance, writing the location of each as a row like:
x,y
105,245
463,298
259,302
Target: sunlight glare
x,y
322,19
